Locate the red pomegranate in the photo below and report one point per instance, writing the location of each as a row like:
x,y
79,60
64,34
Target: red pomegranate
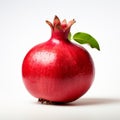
x,y
58,70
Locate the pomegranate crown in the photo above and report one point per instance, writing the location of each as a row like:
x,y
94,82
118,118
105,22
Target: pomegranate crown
x,y
59,26
62,29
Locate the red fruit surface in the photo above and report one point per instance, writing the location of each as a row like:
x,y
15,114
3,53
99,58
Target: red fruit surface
x,y
58,70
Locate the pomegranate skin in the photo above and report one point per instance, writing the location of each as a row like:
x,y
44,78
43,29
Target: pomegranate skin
x,y
58,70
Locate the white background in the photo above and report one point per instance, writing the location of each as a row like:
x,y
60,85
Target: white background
x,y
22,25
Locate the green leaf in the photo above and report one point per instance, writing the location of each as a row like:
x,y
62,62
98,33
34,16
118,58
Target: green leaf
x,y
85,38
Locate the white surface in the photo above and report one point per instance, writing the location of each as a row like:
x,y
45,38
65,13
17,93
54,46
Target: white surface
x,y
85,109
22,25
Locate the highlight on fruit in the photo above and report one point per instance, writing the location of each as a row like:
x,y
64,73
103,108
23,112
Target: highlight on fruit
x,y
58,70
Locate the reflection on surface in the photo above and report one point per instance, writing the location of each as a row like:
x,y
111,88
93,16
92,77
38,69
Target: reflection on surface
x,y
44,57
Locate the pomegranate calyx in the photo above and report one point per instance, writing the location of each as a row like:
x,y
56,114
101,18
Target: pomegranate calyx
x,y
59,26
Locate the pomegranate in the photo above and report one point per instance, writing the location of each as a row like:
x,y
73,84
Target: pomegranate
x,y
58,70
